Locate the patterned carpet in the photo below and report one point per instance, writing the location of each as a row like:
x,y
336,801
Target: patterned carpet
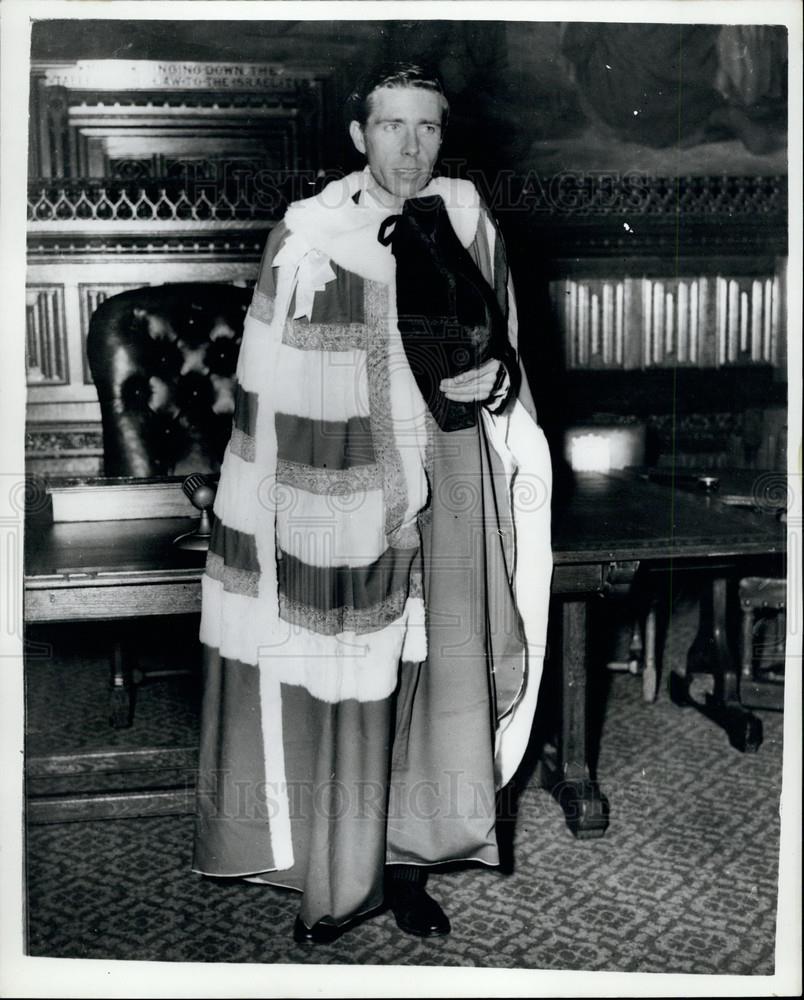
x,y
683,881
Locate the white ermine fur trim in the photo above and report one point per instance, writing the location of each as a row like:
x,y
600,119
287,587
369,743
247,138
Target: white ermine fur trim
x,y
414,649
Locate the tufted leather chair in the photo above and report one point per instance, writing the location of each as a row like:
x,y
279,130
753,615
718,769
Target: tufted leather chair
x,y
163,360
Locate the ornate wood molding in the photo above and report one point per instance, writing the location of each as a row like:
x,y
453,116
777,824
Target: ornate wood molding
x,y
94,217
635,215
94,117
66,206
61,439
231,245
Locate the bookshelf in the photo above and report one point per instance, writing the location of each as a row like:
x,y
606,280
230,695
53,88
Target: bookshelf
x,y
641,322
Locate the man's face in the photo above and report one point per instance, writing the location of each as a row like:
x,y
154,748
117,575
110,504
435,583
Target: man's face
x,y
401,138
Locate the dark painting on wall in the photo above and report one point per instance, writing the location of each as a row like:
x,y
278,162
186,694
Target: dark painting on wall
x,y
662,99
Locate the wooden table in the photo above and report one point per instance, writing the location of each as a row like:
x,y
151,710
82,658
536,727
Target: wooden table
x,y
604,529
607,528
111,570
90,570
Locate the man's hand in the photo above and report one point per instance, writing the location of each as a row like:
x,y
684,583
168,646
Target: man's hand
x,y
473,386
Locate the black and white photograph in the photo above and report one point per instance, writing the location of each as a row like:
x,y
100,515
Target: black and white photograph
x,y
494,687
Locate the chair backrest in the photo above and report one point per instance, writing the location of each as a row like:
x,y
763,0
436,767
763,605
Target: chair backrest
x,y
163,360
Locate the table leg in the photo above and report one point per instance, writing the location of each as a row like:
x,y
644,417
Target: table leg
x,y
651,662
586,809
121,691
710,653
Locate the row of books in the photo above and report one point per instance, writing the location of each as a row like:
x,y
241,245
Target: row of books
x,y
747,320
594,324
647,322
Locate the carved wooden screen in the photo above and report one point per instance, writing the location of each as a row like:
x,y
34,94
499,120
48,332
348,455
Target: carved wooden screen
x,y
143,172
146,119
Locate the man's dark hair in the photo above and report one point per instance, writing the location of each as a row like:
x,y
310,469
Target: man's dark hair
x,y
396,74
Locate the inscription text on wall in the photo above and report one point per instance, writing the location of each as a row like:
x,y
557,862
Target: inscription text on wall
x,y
148,74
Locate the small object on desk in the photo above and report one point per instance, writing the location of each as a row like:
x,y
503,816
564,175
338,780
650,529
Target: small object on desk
x,y
600,446
201,495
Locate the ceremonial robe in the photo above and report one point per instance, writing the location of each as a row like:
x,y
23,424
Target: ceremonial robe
x,y
375,595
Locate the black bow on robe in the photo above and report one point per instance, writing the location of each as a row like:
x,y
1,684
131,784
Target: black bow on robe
x,y
449,318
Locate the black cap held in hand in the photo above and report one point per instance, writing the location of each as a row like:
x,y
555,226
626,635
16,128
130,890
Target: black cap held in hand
x,y
449,318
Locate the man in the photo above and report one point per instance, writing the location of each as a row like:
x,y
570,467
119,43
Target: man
x,y
374,602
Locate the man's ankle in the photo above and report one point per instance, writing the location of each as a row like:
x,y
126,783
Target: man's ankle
x,y
404,878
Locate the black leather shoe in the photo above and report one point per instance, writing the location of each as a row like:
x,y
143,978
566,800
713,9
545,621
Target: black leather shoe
x,y
319,933
418,913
